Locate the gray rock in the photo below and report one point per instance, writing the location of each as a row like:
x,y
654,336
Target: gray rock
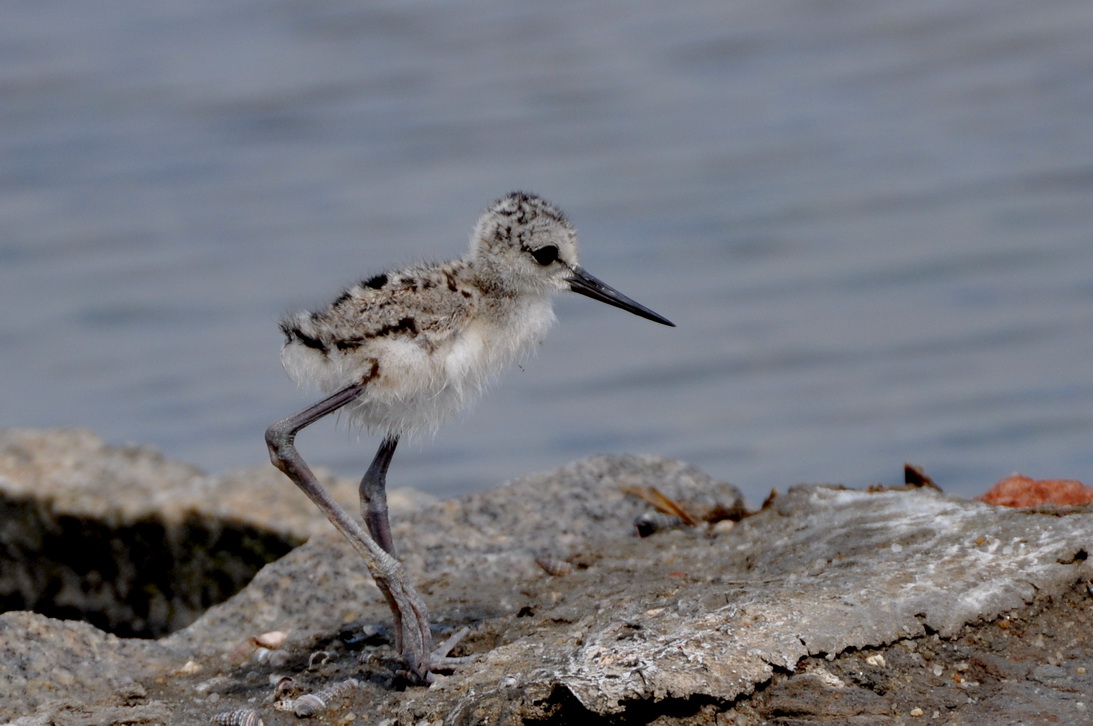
x,y
133,542
50,665
681,626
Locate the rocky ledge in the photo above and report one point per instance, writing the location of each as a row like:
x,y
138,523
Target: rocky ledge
x,y
827,606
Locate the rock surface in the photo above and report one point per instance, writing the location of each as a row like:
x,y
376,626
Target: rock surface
x,y
829,606
132,542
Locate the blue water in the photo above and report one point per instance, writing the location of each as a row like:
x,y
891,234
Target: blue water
x,y
872,222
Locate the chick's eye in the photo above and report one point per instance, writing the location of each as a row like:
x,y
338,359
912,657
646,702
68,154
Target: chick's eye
x,y
545,255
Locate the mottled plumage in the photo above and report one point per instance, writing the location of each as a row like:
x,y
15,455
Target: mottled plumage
x,y
404,350
429,338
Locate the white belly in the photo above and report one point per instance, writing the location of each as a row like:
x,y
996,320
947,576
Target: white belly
x,y
421,385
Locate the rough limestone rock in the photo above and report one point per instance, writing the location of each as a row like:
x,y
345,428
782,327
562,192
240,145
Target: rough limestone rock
x,y
829,606
130,541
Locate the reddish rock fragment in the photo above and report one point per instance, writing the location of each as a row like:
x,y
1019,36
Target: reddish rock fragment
x,y
1022,491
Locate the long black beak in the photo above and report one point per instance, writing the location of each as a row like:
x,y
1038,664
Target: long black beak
x,y
589,285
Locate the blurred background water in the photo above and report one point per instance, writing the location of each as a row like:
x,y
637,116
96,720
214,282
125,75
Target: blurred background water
x,y
870,220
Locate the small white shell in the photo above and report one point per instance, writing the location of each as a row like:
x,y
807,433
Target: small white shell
x,y
309,705
284,687
554,566
190,668
312,704
652,522
274,658
317,659
273,640
239,717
